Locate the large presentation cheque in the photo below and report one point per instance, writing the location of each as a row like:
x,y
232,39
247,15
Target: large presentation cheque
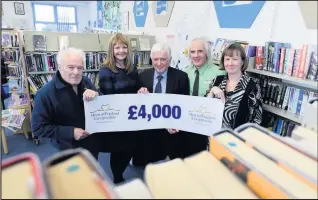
x,y
131,112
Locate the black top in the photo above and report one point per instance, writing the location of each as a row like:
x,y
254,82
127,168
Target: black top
x,y
119,82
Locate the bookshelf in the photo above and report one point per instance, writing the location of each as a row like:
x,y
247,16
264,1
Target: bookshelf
x,y
283,113
308,84
41,65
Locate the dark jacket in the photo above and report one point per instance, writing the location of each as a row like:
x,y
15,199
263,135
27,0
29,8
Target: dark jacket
x,y
58,110
177,81
250,106
156,144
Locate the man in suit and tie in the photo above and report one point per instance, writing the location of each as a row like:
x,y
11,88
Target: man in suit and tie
x,y
156,145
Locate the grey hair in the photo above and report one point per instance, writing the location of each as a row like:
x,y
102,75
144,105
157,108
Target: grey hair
x,y
158,47
206,47
71,50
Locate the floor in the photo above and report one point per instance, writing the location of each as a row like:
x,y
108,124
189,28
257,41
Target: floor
x,y
17,144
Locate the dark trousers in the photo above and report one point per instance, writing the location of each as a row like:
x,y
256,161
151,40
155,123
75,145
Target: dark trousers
x,y
121,145
156,145
193,143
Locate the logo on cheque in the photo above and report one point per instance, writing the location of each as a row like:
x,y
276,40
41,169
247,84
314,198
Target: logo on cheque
x,y
201,115
105,113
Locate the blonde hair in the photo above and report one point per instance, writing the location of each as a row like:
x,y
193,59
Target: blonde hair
x,y
110,61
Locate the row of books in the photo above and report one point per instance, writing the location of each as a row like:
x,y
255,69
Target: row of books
x,y
220,44
284,97
37,81
283,127
46,62
141,58
276,57
248,162
283,59
93,76
10,55
9,39
14,70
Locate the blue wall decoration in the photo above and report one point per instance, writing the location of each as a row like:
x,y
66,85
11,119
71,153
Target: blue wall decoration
x,y
100,18
140,13
162,7
237,14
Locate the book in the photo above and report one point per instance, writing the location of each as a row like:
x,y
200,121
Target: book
x,y
173,180
39,42
256,181
252,157
6,40
134,189
76,174
22,178
288,158
217,178
64,42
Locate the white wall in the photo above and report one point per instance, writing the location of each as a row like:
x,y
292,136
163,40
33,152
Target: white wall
x,y
14,21
277,21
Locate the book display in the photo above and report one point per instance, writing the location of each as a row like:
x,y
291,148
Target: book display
x,y
18,113
238,164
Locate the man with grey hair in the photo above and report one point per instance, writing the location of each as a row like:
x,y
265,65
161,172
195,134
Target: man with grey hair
x,y
58,111
201,72
157,144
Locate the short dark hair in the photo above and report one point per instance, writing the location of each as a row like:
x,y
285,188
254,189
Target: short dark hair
x,y
230,51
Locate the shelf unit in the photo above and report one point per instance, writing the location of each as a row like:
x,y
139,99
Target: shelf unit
x,y
308,84
287,80
283,113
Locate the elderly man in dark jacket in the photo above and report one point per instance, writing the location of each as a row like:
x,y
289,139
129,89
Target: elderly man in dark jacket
x,y
59,108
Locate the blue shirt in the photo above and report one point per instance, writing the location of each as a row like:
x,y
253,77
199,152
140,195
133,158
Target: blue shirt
x,y
163,81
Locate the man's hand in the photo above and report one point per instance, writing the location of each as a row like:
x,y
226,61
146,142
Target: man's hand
x,y
143,90
172,131
89,95
80,133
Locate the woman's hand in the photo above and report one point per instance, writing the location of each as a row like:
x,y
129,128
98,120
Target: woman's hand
x,y
89,95
217,92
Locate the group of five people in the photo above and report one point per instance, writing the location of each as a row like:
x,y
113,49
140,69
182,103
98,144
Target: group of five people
x,y
58,111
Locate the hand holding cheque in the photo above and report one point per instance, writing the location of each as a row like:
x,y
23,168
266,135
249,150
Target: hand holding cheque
x,y
130,112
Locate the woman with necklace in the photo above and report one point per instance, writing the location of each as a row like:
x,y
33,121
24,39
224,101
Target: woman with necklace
x,y
240,94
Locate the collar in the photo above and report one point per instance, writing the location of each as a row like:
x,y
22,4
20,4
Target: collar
x,y
201,69
60,82
242,82
164,74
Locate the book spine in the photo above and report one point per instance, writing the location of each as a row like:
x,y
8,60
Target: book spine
x,y
255,181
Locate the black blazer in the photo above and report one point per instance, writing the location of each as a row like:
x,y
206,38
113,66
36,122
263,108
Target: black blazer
x,y
151,146
177,81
